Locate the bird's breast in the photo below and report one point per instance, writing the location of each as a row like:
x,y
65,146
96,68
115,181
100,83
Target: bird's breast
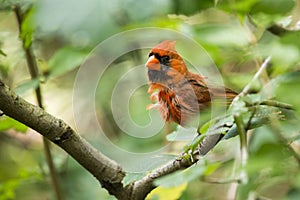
x,y
158,76
178,106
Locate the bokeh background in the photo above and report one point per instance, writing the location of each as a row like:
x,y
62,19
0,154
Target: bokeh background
x,y
237,36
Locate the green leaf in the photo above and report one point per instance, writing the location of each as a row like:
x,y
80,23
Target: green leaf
x,y
239,6
222,35
2,53
291,38
238,107
288,86
262,116
7,189
252,99
269,90
273,7
204,128
268,155
261,136
189,7
211,168
194,144
28,28
65,60
8,123
297,180
167,193
183,176
27,85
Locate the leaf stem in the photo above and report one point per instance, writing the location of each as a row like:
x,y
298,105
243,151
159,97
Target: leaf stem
x,y
257,74
243,142
277,104
220,181
243,177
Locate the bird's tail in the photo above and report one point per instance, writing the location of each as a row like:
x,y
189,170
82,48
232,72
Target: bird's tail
x,y
223,93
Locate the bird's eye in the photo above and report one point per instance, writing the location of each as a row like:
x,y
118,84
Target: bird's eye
x,y
165,59
150,54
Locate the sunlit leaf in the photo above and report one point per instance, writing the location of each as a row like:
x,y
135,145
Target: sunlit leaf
x,y
285,91
204,128
269,90
2,53
65,60
7,189
283,54
211,168
8,123
28,27
242,80
239,6
222,34
271,156
167,193
291,37
189,7
28,85
273,7
297,180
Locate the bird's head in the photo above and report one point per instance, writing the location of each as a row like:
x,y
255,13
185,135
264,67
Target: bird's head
x,y
164,63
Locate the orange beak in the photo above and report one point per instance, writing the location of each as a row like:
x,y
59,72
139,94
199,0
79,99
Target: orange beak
x,y
153,63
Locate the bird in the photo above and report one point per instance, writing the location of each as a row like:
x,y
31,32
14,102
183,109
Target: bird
x,y
178,93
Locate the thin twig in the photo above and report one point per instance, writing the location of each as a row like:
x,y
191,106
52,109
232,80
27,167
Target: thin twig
x,y
34,72
243,142
220,181
255,77
277,104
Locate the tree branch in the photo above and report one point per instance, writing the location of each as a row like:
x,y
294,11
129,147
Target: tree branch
x,y
142,187
107,171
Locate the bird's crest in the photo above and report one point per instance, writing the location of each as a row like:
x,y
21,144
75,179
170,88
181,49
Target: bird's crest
x,y
167,45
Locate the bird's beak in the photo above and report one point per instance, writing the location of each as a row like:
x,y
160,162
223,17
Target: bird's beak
x,y
153,63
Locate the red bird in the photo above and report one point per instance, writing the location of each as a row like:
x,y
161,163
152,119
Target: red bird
x,y
179,93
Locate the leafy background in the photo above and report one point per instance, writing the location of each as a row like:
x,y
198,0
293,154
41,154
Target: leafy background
x,y
238,35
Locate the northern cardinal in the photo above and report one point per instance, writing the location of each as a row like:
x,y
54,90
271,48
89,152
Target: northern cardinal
x,y
179,93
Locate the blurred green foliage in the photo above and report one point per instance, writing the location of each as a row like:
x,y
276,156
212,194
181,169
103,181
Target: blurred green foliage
x,y
238,36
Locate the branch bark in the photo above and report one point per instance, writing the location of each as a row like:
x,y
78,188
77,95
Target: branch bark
x,y
142,187
108,172
34,72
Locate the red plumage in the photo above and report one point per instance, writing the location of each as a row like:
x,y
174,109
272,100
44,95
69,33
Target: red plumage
x,y
179,93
